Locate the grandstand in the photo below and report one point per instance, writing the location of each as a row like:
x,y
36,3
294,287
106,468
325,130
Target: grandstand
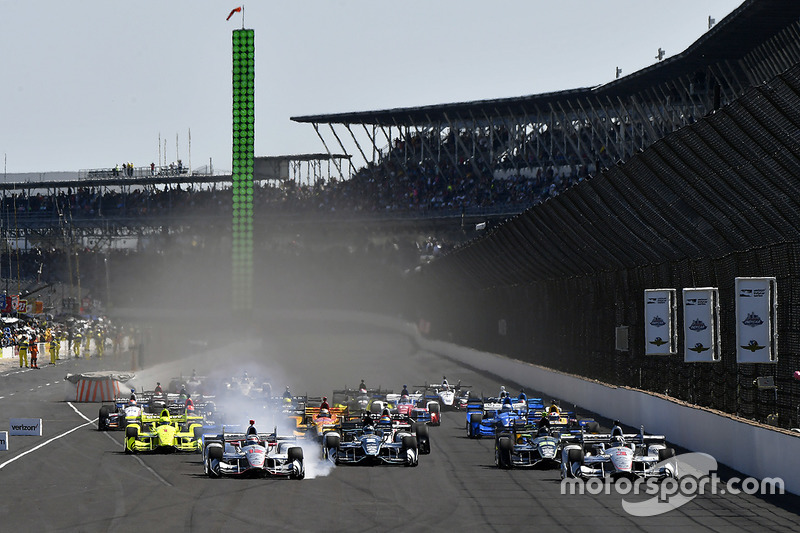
x,y
557,139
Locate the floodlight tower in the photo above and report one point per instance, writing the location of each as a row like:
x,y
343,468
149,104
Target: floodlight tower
x,y
244,74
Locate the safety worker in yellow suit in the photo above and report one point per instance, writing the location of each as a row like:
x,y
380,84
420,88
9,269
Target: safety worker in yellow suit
x,y
61,336
100,344
23,350
76,343
51,345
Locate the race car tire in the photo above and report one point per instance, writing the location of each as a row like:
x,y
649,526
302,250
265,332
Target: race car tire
x,y
210,471
102,419
215,452
295,453
423,439
574,456
197,431
504,452
665,453
435,408
474,418
331,448
410,444
301,474
592,427
131,432
375,408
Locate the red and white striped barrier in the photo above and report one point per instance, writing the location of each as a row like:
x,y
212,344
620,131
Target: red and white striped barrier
x,y
103,386
106,390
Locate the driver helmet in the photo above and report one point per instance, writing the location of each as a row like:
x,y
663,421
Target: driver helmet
x,y
543,431
323,413
507,404
386,416
617,440
252,439
369,429
132,401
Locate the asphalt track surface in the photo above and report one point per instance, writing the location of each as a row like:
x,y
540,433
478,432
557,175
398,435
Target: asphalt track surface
x,y
75,478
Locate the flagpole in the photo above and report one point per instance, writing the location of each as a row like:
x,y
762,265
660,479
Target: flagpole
x,y
242,16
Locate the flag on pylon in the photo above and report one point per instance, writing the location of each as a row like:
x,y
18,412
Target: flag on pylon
x,y
234,10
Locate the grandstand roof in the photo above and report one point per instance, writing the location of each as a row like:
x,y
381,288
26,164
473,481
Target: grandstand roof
x,y
732,38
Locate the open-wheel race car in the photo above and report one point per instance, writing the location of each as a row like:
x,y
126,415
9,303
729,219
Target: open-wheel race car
x,y
252,455
490,416
116,415
417,407
388,442
448,396
616,455
526,446
164,433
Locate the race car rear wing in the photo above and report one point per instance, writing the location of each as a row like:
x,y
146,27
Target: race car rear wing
x,y
597,438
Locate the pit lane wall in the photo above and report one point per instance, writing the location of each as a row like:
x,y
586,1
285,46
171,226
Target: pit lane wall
x,y
754,450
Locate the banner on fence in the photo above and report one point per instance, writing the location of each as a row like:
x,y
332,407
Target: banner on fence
x,y
701,325
661,336
756,318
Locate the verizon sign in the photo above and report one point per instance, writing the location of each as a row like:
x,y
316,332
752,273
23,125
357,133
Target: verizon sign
x,y
26,426
3,441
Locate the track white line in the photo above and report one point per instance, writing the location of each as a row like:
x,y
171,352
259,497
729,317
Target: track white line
x,y
80,414
23,454
155,474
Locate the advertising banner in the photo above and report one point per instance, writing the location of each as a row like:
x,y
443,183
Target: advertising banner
x,y
15,302
7,303
701,325
661,336
3,441
25,426
38,307
756,314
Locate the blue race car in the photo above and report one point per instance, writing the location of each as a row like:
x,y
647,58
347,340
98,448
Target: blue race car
x,y
490,416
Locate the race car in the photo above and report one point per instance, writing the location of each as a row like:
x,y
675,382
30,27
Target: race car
x,y
252,455
116,416
355,442
616,455
164,433
315,421
490,416
525,446
447,395
358,400
417,407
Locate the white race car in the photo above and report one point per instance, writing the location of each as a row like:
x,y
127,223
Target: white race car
x,y
446,394
616,455
256,455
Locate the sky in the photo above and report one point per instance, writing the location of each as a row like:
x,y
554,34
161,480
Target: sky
x,y
91,84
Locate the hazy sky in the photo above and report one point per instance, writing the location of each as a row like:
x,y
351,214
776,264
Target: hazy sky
x,y
92,83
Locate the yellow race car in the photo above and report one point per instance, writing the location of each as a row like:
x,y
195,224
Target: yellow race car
x,y
164,433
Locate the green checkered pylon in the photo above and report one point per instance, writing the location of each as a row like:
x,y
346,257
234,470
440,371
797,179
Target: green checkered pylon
x,y
244,75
